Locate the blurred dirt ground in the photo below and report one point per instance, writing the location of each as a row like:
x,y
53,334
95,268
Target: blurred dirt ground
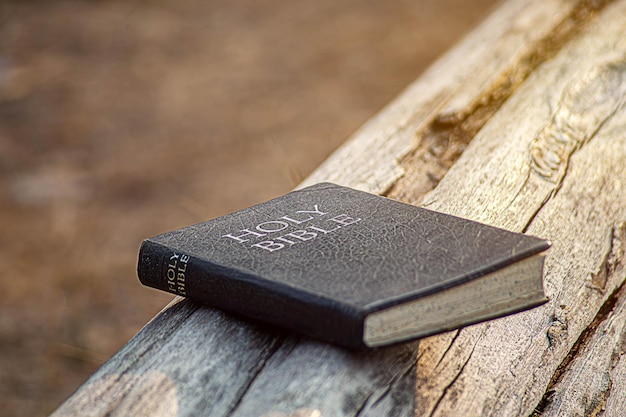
x,y
123,119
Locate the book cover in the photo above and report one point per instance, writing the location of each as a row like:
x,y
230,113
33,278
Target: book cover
x,y
321,260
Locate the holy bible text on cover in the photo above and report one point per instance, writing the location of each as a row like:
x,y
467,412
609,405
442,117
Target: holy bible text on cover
x,y
349,267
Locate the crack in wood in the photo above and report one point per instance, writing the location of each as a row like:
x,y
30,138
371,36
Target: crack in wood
x,y
456,335
444,139
557,330
274,346
363,405
545,400
613,261
179,309
586,104
445,390
397,378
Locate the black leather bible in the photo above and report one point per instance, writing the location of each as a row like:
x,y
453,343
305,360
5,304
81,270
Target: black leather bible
x,y
349,267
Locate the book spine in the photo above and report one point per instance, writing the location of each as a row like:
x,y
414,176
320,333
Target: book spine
x,y
167,269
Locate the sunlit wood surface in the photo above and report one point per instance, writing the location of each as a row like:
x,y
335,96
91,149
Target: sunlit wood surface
x,y
520,126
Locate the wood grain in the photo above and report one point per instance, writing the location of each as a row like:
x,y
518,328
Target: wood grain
x,y
421,133
206,362
591,379
504,367
538,90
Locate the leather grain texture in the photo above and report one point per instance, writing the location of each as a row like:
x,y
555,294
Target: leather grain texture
x,y
318,260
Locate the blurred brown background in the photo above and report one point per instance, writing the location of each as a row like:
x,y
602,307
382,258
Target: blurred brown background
x,y
123,119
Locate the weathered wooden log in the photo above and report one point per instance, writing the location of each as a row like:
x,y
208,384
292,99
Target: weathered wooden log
x,y
520,126
561,176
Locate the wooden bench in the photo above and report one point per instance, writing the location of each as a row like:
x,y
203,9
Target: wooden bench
x,y
522,126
